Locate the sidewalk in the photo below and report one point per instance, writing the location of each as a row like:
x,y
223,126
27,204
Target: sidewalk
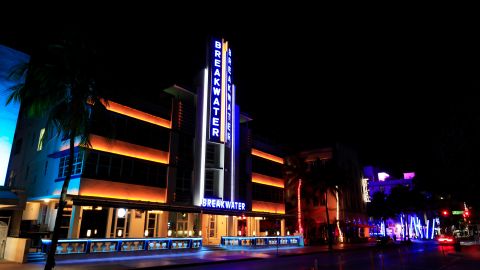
x,y
178,259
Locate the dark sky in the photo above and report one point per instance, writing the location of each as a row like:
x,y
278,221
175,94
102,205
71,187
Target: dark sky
x,y
397,90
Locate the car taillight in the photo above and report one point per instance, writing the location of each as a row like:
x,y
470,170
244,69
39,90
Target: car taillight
x,y
445,239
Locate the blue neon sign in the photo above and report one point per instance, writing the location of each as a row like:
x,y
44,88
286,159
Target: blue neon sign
x,y
221,204
228,126
216,91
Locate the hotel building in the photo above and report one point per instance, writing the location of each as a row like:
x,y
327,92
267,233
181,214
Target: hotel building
x,y
185,164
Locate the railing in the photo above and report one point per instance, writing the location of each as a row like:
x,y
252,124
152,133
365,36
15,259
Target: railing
x,y
85,246
261,241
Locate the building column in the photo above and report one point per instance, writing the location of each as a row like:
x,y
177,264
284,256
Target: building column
x,y
191,220
15,222
162,229
282,227
108,231
75,222
231,226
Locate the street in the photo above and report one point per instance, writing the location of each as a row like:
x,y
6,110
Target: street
x,y
416,256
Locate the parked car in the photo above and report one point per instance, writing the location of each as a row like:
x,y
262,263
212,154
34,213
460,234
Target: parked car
x,y
384,240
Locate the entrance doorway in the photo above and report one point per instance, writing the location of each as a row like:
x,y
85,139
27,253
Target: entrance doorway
x,y
94,223
242,227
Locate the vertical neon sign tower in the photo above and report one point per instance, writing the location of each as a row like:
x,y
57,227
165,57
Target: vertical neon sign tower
x,y
216,127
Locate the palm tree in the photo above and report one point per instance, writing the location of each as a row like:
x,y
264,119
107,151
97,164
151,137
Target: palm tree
x,y
60,84
294,172
326,180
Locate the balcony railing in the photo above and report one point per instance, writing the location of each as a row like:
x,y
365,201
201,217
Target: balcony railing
x,y
86,246
261,241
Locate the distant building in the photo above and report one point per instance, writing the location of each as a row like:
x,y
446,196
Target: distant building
x,y
379,181
336,163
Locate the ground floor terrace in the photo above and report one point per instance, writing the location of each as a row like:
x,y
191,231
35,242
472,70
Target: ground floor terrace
x,y
118,225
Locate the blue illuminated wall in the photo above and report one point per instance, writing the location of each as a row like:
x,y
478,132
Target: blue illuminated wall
x,y
9,58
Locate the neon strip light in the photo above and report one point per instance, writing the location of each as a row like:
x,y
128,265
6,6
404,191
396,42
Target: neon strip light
x,y
232,159
419,224
426,232
223,99
114,190
264,155
229,104
433,228
127,111
299,200
267,180
403,227
127,149
268,207
203,140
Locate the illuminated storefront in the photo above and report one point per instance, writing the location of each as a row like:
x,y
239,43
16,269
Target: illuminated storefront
x,y
184,166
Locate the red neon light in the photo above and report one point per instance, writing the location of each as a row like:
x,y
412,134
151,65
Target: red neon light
x,y
300,229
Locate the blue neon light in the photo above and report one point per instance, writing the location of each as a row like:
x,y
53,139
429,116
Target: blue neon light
x,y
216,90
228,126
221,204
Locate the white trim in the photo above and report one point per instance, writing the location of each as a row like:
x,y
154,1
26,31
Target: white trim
x,y
203,138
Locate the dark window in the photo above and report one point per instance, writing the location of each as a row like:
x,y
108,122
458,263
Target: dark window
x,y
209,183
111,167
266,167
132,130
267,193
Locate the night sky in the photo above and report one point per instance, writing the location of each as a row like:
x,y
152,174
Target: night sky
x,y
402,92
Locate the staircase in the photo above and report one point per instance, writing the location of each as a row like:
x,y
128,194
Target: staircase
x,y
36,257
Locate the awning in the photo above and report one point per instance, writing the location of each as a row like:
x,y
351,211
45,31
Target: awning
x,y
8,198
144,205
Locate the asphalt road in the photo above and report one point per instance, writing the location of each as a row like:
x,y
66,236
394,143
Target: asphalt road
x,y
415,256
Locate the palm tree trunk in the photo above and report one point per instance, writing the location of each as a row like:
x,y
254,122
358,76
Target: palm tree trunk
x,y
61,205
329,228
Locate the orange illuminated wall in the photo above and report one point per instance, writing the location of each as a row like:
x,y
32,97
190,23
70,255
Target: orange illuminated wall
x,y
115,190
267,180
268,207
264,155
121,109
127,149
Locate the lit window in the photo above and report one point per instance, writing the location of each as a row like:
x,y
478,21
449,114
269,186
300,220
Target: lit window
x,y
40,139
77,165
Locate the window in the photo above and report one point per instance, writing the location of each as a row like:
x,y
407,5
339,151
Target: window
x,y
77,165
40,139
